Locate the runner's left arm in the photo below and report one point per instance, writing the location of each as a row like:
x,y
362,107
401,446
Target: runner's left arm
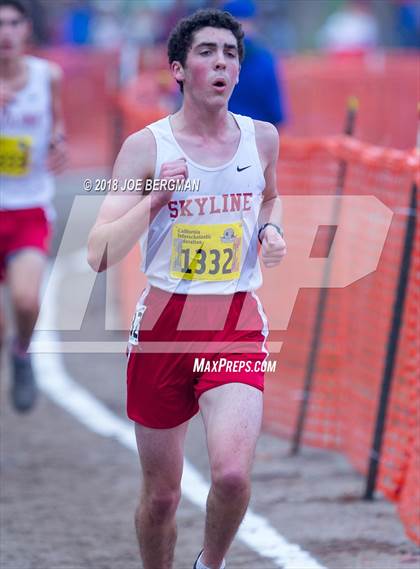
x,y
57,156
273,244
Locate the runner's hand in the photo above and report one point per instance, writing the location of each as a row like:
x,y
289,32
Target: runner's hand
x,y
57,156
175,170
273,247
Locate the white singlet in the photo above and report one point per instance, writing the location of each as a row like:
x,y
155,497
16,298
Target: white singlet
x,y
205,241
25,129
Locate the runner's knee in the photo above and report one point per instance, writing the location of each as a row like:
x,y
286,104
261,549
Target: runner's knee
x,y
162,505
230,481
25,303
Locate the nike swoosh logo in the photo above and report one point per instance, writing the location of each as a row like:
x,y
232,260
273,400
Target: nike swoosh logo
x,y
244,168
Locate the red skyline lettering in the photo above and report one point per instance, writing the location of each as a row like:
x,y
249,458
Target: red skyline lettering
x,y
247,205
201,203
173,209
235,202
210,205
225,202
184,207
213,209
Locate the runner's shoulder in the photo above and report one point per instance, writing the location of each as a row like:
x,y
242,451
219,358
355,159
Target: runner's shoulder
x,y
266,133
267,138
52,70
56,73
140,148
141,143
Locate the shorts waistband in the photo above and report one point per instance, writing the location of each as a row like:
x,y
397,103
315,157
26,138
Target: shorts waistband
x,y
164,294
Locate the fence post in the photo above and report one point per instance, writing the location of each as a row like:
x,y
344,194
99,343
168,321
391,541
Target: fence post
x,y
392,348
352,106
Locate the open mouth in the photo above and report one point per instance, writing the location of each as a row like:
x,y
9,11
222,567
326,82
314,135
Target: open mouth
x,y
219,85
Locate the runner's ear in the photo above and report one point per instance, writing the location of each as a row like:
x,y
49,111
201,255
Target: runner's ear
x,y
177,71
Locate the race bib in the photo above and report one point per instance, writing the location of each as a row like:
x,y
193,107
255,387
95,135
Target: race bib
x,y
15,154
206,252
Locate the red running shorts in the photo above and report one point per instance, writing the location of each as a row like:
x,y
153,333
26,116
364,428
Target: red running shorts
x,y
22,229
170,333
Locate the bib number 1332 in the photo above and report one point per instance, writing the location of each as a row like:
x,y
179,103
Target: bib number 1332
x,y
206,252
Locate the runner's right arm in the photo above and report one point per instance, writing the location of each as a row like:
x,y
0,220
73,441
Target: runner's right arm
x,y
123,217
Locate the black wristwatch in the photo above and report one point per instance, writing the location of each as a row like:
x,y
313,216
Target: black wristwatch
x,y
277,227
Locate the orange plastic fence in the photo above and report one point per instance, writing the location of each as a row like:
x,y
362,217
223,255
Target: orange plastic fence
x,y
354,339
404,484
350,350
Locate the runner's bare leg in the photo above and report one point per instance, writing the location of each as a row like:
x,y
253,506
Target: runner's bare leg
x,y
24,275
161,454
232,416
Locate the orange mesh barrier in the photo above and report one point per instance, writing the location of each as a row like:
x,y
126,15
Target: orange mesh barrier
x,y
350,362
400,436
400,479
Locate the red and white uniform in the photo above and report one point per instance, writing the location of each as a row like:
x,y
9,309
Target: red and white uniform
x,y
26,186
200,255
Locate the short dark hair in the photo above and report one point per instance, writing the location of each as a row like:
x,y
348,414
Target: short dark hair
x,y
182,36
18,5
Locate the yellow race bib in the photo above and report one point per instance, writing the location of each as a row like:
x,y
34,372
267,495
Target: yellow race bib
x,y
206,252
15,153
